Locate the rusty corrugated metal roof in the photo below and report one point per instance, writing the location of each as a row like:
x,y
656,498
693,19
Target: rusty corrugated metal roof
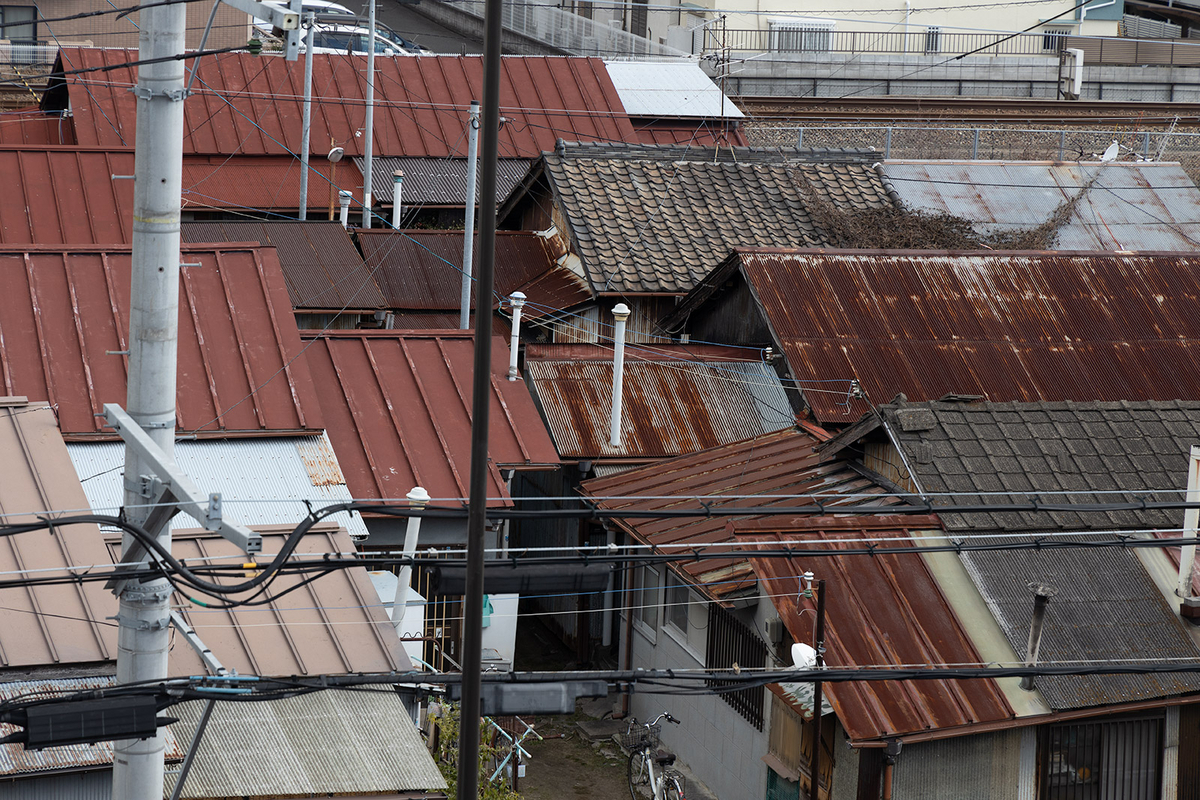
x,y
398,410
334,625
1011,326
62,310
265,183
47,625
320,263
879,610
421,270
16,761
677,398
252,105
780,465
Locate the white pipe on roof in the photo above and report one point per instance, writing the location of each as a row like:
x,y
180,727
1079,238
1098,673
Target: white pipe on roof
x,y
517,299
397,184
344,202
620,314
1191,522
418,497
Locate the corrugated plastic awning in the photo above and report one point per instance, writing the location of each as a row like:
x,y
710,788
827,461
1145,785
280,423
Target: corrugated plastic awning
x,y
398,409
248,105
321,265
879,610
64,321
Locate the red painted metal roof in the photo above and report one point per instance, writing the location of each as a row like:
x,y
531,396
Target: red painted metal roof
x,y
257,183
421,270
695,134
398,411
30,126
879,610
421,103
65,195
63,309
1012,326
781,465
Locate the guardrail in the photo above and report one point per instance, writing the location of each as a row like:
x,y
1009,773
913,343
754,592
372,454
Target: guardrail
x,y
22,54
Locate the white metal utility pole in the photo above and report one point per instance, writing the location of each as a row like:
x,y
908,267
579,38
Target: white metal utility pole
x,y
306,123
464,312
144,618
369,122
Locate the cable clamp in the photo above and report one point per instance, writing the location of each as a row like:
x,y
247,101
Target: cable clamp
x,y
141,624
212,517
146,93
147,486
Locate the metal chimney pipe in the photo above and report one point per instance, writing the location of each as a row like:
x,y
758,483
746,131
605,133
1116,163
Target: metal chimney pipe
x,y
620,314
397,183
1041,598
418,497
464,312
517,299
344,201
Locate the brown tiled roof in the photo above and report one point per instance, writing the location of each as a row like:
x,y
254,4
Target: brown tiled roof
x,y
659,219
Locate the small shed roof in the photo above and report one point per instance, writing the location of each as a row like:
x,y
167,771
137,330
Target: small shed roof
x,y
1121,206
879,610
252,105
321,265
375,748
677,398
658,219
398,409
64,321
775,469
1000,325
422,270
664,89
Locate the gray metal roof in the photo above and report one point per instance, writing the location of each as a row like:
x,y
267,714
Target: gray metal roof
x,y
288,470
1147,207
659,89
438,181
1107,606
329,742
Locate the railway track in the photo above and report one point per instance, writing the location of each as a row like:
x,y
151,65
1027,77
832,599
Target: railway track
x,y
967,110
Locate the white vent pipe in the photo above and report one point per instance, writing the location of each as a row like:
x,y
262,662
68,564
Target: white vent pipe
x,y
1191,518
620,314
344,201
517,299
397,184
418,497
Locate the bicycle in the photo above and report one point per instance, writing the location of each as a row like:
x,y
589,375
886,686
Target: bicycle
x,y
642,741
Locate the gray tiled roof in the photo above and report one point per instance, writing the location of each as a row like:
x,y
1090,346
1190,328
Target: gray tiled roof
x,y
660,219
1107,606
1038,449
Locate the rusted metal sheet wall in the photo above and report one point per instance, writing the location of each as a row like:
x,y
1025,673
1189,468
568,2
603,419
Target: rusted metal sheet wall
x,y
985,766
64,319
1025,326
253,104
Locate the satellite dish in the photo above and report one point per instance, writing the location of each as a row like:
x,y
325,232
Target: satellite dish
x,y
1111,153
803,656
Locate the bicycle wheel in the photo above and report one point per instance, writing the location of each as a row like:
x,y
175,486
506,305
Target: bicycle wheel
x,y
639,775
674,789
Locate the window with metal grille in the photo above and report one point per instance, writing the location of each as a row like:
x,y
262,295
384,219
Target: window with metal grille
x,y
1115,760
1055,39
933,39
731,642
796,35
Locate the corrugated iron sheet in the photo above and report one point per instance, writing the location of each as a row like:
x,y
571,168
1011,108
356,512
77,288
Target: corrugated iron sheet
x,y
886,609
437,181
15,760
1128,206
1025,326
93,785
262,481
265,183
781,465
252,106
1107,608
62,310
320,263
677,399
986,766
326,743
661,89
66,195
47,625
422,270
398,410
334,625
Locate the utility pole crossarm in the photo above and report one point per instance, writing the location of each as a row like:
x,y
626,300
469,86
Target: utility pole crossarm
x,y
205,509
